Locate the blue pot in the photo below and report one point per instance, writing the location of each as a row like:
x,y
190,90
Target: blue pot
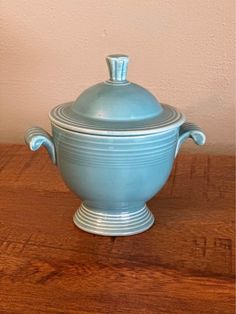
x,y
114,147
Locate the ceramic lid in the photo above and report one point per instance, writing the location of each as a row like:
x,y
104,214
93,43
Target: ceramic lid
x,y
116,107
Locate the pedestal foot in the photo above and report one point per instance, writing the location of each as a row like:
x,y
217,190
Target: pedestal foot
x,y
123,224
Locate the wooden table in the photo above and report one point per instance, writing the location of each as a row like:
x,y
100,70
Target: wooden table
x,y
183,264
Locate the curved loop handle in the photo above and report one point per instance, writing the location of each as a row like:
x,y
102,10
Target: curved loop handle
x,y
35,137
190,130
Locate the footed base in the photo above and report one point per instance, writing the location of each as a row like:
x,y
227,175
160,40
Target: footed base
x,y
108,224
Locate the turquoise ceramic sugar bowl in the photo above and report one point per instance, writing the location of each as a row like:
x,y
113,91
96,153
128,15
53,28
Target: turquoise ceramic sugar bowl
x,y
114,146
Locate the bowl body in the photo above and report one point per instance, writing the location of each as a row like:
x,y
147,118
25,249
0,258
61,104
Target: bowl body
x,y
114,176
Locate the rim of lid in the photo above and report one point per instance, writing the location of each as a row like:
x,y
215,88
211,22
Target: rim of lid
x,y
168,120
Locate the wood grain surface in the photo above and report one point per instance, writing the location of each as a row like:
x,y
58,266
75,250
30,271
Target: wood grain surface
x,y
183,264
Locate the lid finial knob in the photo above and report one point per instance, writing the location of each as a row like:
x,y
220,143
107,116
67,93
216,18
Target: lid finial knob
x,y
117,65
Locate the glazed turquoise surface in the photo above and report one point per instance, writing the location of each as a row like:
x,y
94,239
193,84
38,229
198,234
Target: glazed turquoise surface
x,y
116,103
127,170
115,147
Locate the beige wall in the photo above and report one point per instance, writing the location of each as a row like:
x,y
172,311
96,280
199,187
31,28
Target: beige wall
x,y
180,49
